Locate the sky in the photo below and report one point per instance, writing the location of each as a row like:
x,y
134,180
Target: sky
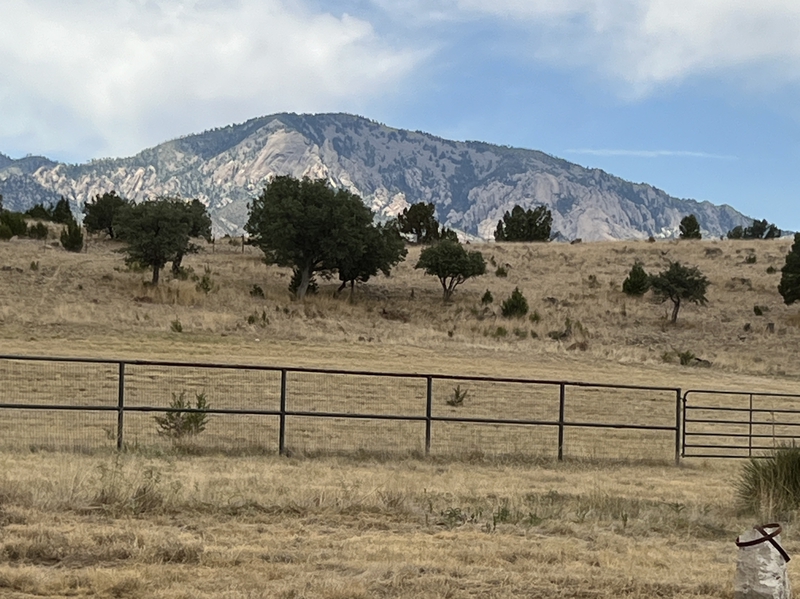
x,y
696,97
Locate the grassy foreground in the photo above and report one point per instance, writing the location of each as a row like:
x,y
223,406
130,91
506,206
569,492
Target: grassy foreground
x,y
252,527
180,527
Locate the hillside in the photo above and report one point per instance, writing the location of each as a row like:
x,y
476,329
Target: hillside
x,y
471,183
54,302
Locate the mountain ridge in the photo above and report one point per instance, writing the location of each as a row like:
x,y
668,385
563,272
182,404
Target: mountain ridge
x,y
472,183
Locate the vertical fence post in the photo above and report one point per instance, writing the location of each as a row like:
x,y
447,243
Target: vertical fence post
x,y
121,406
678,419
428,415
750,430
561,400
683,425
282,426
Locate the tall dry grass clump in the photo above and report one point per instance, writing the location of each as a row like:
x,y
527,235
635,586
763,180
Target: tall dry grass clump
x,y
770,486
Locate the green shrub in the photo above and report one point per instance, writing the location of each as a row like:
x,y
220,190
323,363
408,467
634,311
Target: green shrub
x,y
487,298
256,291
750,259
770,486
458,397
34,265
205,284
15,221
521,333
5,232
175,326
686,357
501,272
771,270
760,310
72,237
500,332
535,317
638,281
515,306
179,423
38,231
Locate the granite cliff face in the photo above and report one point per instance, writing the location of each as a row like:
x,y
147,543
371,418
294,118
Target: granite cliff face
x,y
471,183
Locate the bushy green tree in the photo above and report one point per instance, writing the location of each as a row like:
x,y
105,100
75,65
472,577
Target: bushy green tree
x,y
525,225
377,248
155,232
195,215
789,287
680,283
690,228
420,220
40,212
451,264
638,281
15,221
72,237
308,226
516,306
38,231
100,213
61,212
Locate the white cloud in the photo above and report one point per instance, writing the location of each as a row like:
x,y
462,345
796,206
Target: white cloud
x,y
651,153
115,76
649,43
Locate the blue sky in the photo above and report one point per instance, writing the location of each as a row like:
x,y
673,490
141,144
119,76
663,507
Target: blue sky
x,y
697,97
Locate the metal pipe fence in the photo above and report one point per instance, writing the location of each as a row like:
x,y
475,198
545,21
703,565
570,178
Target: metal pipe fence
x,y
85,404
738,424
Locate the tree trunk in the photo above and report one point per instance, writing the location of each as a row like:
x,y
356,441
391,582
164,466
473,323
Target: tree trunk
x,y
675,307
176,264
305,279
156,272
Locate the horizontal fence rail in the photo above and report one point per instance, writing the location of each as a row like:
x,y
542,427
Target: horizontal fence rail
x,y
83,404
738,424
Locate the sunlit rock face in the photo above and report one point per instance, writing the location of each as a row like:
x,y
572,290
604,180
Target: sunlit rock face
x,y
472,184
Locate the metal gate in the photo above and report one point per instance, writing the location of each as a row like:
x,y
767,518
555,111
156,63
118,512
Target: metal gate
x,y
738,424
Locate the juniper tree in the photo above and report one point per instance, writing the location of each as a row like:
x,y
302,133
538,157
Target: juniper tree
x,y
690,228
789,287
451,264
638,281
525,225
678,284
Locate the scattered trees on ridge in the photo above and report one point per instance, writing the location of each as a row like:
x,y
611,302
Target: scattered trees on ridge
x,y
679,283
789,287
420,220
525,225
760,229
451,264
690,228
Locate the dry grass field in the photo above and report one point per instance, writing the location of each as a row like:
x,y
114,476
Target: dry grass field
x,y
164,524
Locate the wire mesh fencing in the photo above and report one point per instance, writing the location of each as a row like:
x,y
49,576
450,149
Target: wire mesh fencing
x,y
81,404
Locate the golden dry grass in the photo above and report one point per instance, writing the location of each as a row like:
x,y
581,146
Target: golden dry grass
x,y
134,526
178,526
90,304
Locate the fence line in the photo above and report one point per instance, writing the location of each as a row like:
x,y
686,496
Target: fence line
x,y
287,409
736,424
